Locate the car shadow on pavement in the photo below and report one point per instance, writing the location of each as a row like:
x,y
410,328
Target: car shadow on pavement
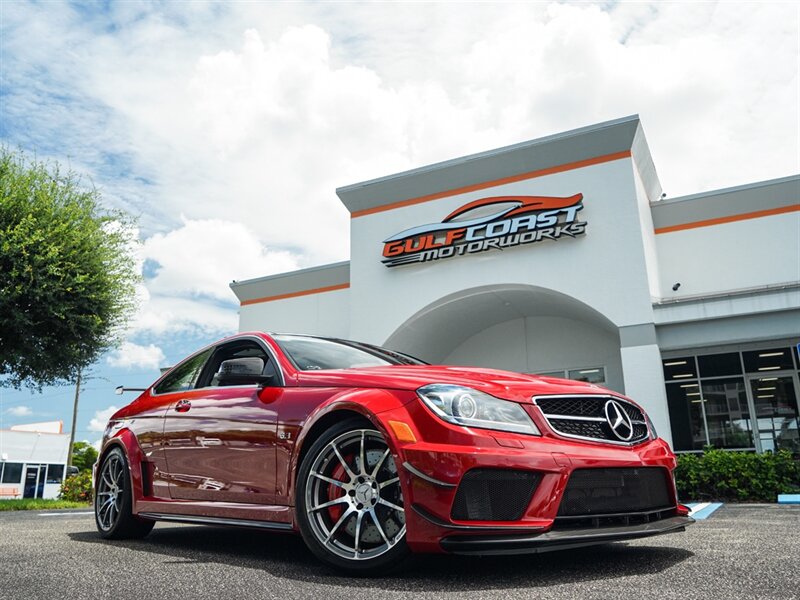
x,y
283,555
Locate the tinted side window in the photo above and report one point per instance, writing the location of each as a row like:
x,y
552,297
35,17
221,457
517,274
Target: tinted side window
x,y
183,377
236,349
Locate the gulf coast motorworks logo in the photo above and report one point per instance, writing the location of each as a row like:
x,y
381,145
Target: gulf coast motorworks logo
x,y
494,223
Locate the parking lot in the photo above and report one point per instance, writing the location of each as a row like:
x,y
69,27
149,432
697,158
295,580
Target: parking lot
x,y
741,551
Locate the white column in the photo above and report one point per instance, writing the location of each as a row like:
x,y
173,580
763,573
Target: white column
x,y
644,382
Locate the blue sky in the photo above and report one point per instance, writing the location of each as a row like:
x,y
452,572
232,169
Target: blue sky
x,y
226,127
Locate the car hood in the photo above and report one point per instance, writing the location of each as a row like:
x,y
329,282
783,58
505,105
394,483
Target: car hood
x,y
502,384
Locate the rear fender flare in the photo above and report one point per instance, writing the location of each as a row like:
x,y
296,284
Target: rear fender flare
x,y
126,440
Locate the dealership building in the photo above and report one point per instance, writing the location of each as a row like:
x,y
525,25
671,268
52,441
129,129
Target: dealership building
x,y
560,256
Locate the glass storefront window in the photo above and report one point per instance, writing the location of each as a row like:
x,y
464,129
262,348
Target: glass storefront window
x,y
12,472
677,369
720,365
685,415
590,375
55,473
558,374
727,413
764,361
776,413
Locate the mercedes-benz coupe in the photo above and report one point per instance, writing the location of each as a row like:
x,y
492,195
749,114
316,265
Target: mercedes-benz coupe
x,y
372,455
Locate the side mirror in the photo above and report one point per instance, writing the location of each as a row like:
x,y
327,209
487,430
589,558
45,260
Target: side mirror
x,y
242,371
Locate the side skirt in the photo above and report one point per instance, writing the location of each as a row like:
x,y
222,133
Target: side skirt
x,y
198,520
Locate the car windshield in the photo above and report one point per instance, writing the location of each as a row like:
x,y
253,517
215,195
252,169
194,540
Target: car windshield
x,y
317,354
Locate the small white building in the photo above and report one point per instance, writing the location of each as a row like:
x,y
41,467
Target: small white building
x,y
33,460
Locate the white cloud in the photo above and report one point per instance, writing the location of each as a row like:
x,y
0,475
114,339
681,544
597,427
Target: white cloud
x,y
203,256
134,356
19,411
245,117
162,315
101,417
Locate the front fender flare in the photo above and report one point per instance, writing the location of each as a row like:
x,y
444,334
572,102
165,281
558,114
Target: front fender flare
x,y
368,403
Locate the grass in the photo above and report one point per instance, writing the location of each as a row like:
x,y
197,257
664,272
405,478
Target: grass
x,y
38,504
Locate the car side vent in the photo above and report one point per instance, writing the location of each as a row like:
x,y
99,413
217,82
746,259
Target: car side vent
x,y
494,495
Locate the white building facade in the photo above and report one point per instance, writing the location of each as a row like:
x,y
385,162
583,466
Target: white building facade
x,y
559,256
33,460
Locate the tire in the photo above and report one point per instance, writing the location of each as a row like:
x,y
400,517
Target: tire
x,y
349,501
113,501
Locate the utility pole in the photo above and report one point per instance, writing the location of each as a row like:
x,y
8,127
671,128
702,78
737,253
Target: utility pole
x,y
74,418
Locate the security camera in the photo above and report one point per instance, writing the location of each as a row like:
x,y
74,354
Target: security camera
x,y
676,286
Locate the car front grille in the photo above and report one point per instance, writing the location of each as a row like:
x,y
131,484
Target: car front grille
x,y
494,495
584,417
615,491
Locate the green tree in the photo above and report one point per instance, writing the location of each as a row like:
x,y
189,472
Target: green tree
x,y
67,273
83,456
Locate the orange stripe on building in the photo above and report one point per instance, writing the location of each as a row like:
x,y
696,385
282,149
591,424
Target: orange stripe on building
x,y
330,288
730,219
487,184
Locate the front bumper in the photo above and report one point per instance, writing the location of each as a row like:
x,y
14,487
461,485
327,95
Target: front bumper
x,y
434,465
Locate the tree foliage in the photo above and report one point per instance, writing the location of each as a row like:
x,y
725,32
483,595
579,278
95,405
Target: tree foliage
x,y
83,456
67,273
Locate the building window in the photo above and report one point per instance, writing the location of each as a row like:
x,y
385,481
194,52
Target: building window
x,y
686,416
727,413
55,473
720,365
558,374
764,361
680,369
12,472
589,375
736,400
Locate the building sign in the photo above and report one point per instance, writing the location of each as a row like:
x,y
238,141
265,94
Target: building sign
x,y
494,223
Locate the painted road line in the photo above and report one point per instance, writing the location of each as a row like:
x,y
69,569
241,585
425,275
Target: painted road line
x,y
703,510
64,514
788,498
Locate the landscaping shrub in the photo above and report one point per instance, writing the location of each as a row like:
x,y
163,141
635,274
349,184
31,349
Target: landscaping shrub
x,y
736,476
77,488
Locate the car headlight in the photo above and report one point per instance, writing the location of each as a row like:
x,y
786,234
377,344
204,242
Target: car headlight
x,y
651,427
470,408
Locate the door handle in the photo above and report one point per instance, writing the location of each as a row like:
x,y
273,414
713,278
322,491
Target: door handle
x,y
183,406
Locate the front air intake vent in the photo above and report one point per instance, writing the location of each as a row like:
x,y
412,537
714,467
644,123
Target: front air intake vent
x,y
618,490
494,495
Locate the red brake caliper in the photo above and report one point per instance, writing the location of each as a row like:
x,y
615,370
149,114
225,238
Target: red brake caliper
x,y
335,492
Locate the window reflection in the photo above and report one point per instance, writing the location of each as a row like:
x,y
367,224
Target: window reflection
x,y
727,415
685,415
776,413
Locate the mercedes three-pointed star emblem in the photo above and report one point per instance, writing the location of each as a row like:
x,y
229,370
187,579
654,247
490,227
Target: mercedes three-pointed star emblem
x,y
619,420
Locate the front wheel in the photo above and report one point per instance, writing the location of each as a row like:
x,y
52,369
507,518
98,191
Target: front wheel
x,y
349,502
113,500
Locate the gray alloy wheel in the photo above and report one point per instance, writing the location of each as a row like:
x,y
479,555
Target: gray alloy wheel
x,y
113,501
350,504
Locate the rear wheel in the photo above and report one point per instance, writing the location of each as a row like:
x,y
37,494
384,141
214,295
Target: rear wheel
x,y
349,502
113,501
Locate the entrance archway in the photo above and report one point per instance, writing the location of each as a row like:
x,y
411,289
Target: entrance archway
x,y
520,328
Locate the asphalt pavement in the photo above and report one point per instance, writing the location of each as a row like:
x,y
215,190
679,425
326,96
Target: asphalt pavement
x,y
741,551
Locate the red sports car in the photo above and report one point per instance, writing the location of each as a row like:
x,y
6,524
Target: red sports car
x,y
371,455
